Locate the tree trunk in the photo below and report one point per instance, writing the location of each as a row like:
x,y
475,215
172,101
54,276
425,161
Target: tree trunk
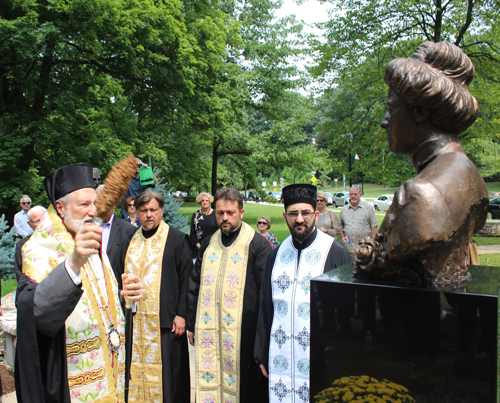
x,y
215,156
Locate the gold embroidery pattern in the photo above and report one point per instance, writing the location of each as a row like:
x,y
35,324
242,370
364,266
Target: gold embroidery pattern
x,y
218,319
121,368
48,246
144,259
87,378
53,262
48,240
82,347
111,360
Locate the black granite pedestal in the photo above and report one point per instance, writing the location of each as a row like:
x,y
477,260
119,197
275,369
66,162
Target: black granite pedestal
x,y
441,345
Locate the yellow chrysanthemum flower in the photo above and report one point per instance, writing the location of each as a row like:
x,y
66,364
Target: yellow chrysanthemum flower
x,y
348,397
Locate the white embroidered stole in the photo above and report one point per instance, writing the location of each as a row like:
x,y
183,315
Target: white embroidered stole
x,y
290,332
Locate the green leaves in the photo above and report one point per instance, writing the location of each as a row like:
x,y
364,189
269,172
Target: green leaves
x,y
362,36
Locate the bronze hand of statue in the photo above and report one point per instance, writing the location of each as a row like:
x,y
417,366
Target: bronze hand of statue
x,y
371,255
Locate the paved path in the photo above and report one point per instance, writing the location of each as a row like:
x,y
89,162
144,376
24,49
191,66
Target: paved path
x,y
10,398
482,250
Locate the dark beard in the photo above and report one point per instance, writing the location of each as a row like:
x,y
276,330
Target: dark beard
x,y
228,230
301,236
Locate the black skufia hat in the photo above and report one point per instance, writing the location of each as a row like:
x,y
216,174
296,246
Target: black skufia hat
x,y
299,193
67,179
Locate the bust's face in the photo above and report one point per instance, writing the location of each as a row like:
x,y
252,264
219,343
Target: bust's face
x,y
399,122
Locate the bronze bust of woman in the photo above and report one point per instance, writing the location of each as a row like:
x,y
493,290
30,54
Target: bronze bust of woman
x,y
424,236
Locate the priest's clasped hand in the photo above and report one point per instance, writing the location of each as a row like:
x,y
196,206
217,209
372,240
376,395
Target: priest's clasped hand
x,y
133,288
87,243
179,326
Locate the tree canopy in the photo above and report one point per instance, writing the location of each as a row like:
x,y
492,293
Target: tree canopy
x,y
170,80
362,36
207,89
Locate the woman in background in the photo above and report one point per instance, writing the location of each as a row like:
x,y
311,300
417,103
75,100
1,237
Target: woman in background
x,y
327,220
263,225
203,223
132,212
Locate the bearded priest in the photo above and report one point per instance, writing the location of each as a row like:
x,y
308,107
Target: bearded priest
x,y
223,306
282,341
71,342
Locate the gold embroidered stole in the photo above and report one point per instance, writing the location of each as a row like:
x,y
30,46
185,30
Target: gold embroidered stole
x,y
144,259
94,373
219,316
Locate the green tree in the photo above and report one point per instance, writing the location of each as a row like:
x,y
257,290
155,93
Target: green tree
x,y
7,249
91,81
363,36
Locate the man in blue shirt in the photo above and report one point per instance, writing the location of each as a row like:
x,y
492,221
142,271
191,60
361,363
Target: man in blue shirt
x,y
21,219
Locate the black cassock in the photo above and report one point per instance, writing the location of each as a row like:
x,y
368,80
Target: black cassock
x,y
41,373
251,388
337,256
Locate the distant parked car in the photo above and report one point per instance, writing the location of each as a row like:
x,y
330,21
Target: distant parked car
x,y
495,207
340,199
275,194
254,196
329,199
383,202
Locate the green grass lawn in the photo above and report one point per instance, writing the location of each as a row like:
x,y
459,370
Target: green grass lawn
x,y
280,229
8,285
493,186
372,190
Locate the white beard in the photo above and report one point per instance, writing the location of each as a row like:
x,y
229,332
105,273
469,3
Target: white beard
x,y
75,225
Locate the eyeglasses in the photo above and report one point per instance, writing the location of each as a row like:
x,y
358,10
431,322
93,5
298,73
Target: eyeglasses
x,y
321,200
306,214
139,165
262,223
25,203
131,205
36,221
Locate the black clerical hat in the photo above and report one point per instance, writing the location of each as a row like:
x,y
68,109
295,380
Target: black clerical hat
x,y
299,193
67,179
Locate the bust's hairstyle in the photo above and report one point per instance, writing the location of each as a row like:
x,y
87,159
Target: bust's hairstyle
x,y
437,78
230,194
24,197
202,195
147,196
266,219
